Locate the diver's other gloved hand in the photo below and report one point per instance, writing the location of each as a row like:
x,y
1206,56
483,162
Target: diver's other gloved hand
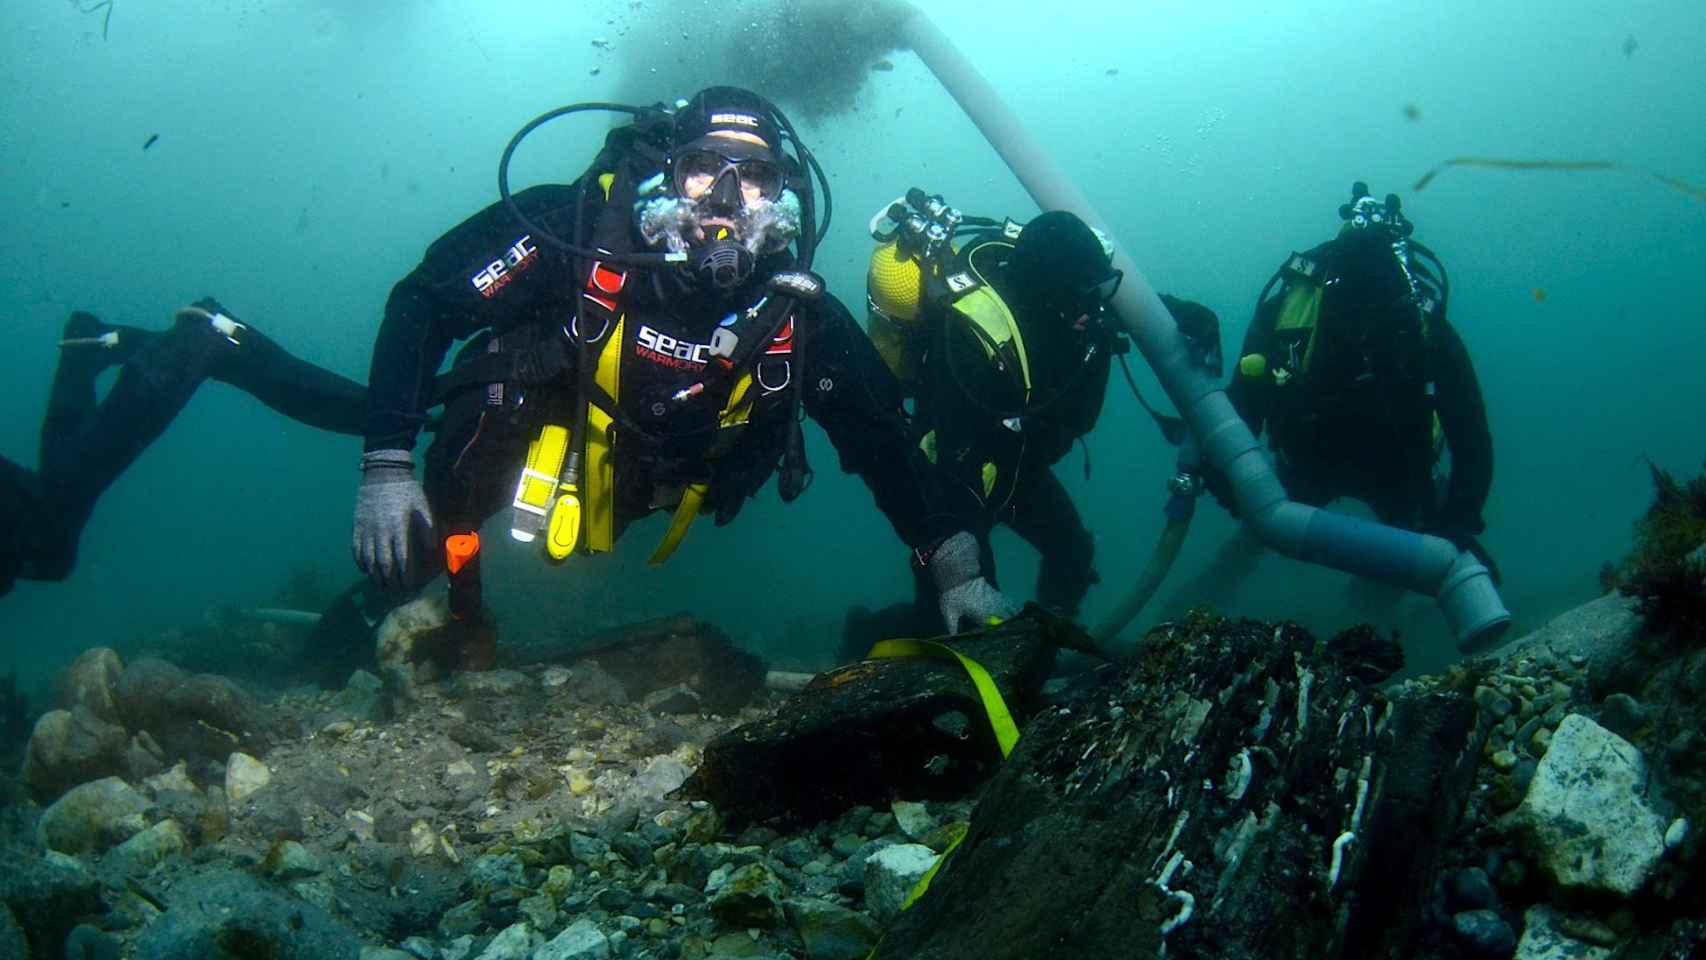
x,y
390,509
961,590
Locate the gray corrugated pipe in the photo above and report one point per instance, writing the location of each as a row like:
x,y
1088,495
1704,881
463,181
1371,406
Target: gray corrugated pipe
x,y
1425,564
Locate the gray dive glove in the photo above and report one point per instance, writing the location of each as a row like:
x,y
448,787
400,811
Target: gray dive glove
x,y
961,590
390,510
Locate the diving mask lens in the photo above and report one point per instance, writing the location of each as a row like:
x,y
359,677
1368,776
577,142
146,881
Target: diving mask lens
x,y
697,174
1095,297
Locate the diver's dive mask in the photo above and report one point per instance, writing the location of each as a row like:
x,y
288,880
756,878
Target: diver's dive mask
x,y
709,177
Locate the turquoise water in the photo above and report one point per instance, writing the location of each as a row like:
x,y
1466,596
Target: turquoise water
x,y
308,154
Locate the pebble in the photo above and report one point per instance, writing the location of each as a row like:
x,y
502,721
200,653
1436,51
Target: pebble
x,y
1503,761
1484,934
1676,833
1589,930
1539,743
1497,705
1512,874
1469,890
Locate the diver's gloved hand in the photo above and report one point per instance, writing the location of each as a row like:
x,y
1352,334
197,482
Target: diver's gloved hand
x,y
390,509
961,590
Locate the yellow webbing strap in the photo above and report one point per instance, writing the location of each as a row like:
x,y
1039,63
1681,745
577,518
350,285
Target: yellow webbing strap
x,y
1000,719
685,513
737,411
599,516
1299,311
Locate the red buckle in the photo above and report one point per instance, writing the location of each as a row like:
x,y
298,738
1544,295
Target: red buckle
x,y
605,280
783,342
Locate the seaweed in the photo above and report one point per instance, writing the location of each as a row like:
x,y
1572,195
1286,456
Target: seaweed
x,y
96,7
1664,574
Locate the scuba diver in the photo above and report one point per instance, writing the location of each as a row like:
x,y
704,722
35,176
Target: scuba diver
x,y
87,444
659,358
1000,334
1364,388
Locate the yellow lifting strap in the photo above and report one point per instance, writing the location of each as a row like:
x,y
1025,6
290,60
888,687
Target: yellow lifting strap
x,y
599,518
993,322
736,412
1000,720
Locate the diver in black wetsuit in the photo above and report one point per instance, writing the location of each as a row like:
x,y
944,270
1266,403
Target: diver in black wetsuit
x,y
1363,387
668,372
86,445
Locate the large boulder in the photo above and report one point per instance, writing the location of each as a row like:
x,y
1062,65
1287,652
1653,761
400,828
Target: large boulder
x,y
412,643
92,681
1585,818
831,931
199,718
68,747
226,914
1603,635
1543,938
93,817
48,895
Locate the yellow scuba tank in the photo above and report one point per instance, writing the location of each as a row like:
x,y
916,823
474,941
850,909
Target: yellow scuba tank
x,y
894,288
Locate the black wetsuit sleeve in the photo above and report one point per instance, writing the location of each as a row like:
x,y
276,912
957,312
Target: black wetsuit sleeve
x,y
1463,416
487,272
856,399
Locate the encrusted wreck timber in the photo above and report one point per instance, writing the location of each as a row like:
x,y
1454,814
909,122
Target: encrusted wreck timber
x,y
876,730
1240,792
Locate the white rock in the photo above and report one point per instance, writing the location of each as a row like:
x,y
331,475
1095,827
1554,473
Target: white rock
x,y
360,824
243,776
290,861
423,842
1585,819
662,774
890,875
581,941
1543,938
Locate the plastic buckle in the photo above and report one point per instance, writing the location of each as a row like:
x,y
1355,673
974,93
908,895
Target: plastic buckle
x,y
1185,484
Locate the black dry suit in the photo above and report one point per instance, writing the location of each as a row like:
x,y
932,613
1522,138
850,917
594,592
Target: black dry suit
x,y
996,412
1364,387
87,445
531,306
